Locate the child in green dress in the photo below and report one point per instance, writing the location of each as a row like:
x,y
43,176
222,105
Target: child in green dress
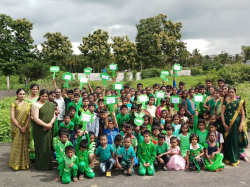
x,y
199,129
183,140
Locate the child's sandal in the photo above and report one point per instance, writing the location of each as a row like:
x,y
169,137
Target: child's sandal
x,y
75,179
80,177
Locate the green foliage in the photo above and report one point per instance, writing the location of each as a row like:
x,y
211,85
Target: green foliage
x,y
211,64
126,76
246,52
134,72
196,71
151,72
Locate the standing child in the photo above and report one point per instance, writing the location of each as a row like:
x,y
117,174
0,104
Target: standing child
x,y
176,125
195,152
102,120
75,103
163,117
190,105
111,128
92,145
134,144
117,144
174,91
191,126
84,108
74,116
176,162
106,153
209,84
68,167
68,124
155,133
122,116
140,139
151,108
213,158
219,137
199,129
147,155
206,117
182,113
73,139
161,148
168,120
56,139
128,155
183,140
148,121
170,130
161,108
94,125
123,131
82,152
184,98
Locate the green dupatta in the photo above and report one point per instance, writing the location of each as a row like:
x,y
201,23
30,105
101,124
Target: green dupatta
x,y
43,139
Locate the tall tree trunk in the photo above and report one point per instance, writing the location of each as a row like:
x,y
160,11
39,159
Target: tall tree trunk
x,y
8,82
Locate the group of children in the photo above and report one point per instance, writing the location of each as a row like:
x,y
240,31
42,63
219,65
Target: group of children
x,y
167,139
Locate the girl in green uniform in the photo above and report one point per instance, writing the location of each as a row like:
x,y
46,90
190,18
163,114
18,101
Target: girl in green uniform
x,y
183,140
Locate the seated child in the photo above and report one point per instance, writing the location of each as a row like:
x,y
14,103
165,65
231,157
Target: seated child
x,y
169,129
155,133
56,139
82,152
60,147
127,154
176,162
134,144
73,139
147,155
219,136
106,153
117,145
134,109
161,148
110,128
92,145
213,158
68,167
195,152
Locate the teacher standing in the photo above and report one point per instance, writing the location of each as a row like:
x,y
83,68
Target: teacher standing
x,y
43,113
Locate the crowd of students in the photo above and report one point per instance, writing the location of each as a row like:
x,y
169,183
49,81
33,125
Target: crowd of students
x,y
195,137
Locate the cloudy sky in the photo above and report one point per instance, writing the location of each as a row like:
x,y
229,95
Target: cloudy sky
x,y
211,26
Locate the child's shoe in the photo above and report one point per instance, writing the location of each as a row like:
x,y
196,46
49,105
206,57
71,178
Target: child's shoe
x,y
164,168
125,171
108,174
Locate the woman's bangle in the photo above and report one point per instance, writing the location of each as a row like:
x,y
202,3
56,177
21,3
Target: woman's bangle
x,y
20,127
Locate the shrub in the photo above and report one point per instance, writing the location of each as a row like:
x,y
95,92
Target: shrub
x,y
134,72
126,76
211,64
151,72
196,71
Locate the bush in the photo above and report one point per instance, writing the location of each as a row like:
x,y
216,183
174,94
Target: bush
x,y
211,64
126,76
134,72
151,72
196,71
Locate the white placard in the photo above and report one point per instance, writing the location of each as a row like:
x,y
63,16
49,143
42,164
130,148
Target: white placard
x,y
138,120
165,73
105,77
84,80
112,67
118,86
87,70
110,100
160,95
143,98
86,117
198,98
177,68
175,100
67,77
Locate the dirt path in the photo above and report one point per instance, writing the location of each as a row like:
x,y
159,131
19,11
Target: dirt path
x,y
7,93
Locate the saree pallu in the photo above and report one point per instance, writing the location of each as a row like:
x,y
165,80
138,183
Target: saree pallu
x,y
234,142
19,154
43,139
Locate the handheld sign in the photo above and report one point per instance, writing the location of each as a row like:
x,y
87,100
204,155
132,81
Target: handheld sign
x,y
54,69
175,100
67,77
159,95
85,118
110,101
139,119
143,99
118,86
176,68
104,77
113,68
87,71
198,98
83,80
164,75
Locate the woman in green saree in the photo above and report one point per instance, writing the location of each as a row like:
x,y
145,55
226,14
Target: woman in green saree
x,y
43,113
20,117
34,88
233,117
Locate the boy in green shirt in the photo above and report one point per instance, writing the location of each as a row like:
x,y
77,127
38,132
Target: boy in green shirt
x,y
74,116
82,151
68,98
122,116
128,155
67,123
76,103
68,167
199,128
56,139
209,83
92,145
140,139
147,155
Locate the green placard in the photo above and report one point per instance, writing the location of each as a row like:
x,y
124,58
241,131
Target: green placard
x,y
54,70
87,71
143,99
85,118
113,67
67,77
110,101
104,77
176,100
118,86
176,68
198,98
139,119
164,75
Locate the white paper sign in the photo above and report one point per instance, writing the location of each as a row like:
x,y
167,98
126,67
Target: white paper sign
x,y
143,98
105,77
86,117
175,100
160,95
112,67
177,68
84,80
118,86
67,77
110,100
138,120
87,71
198,98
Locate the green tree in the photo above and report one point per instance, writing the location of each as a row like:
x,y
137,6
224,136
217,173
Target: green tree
x,y
245,51
198,59
96,48
238,58
56,49
206,57
125,52
223,58
183,55
157,39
